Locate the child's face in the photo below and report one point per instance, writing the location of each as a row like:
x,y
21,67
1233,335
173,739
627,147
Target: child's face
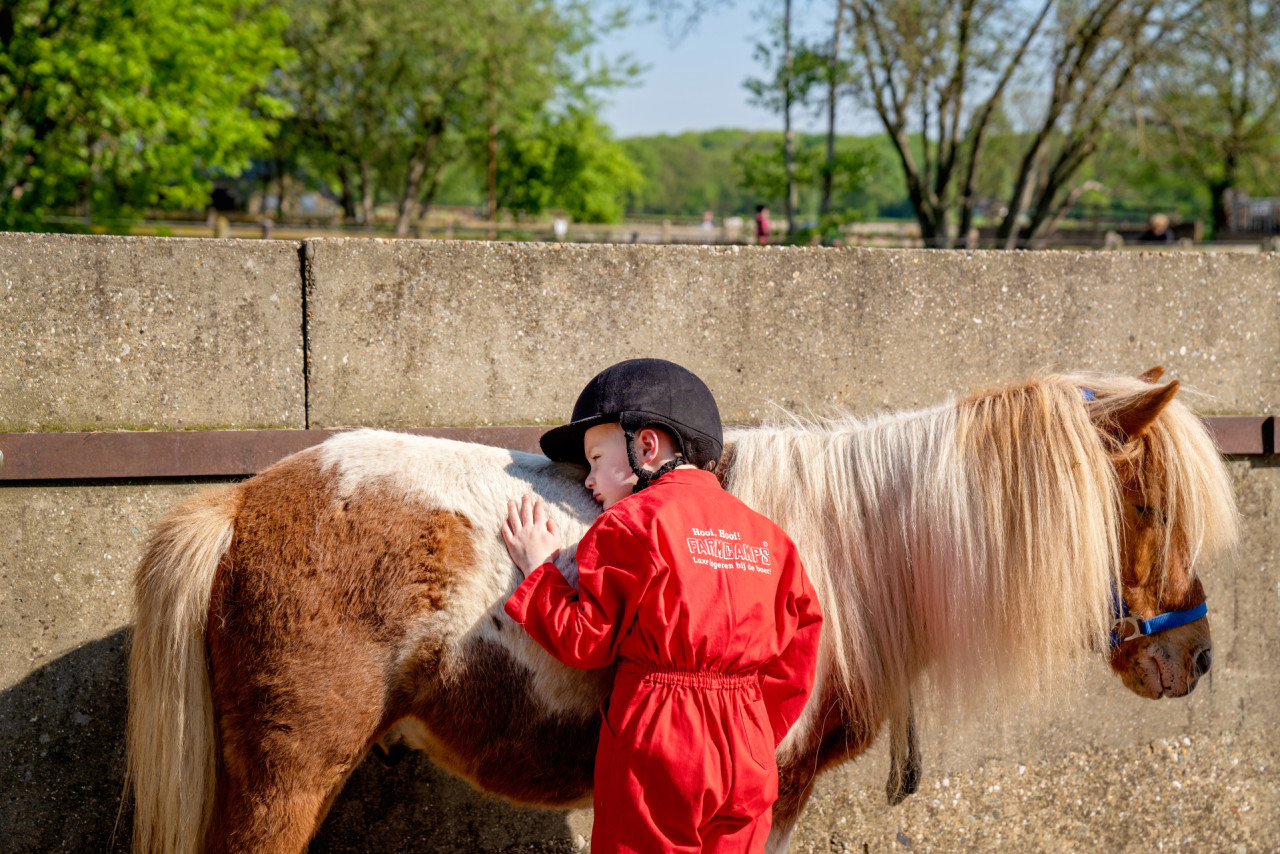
x,y
611,478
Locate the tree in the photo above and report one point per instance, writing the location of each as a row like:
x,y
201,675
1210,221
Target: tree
x,y
393,94
345,96
923,64
793,75
111,105
837,78
536,62
570,162
1095,49
1214,99
938,71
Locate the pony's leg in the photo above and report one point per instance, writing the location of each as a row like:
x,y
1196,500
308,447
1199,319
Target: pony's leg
x,y
270,818
278,779
795,786
841,737
905,764
292,727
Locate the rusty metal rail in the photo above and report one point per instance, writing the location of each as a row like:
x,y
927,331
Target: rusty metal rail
x,y
139,455
191,453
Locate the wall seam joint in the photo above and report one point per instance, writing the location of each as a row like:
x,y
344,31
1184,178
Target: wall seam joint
x,y
305,259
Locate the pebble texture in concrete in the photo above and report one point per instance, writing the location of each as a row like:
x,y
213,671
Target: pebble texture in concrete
x,y
404,333
1182,793
110,333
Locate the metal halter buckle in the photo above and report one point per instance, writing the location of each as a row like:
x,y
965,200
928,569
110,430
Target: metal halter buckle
x,y
1128,620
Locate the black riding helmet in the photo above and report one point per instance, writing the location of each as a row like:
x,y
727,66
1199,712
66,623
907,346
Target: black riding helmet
x,y
641,393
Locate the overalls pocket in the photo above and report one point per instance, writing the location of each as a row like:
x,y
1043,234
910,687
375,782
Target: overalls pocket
x,y
759,735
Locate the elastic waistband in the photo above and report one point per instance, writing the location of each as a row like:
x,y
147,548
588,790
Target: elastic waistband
x,y
690,678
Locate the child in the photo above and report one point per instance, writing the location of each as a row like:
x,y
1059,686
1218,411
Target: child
x,y
702,601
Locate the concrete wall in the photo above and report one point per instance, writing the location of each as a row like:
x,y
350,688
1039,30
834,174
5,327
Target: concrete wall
x,y
130,333
414,333
420,334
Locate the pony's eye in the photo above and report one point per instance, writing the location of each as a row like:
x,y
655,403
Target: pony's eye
x,y
1150,515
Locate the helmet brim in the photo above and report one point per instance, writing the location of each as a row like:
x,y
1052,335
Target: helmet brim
x,y
564,444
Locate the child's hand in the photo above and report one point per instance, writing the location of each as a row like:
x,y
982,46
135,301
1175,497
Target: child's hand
x,y
533,538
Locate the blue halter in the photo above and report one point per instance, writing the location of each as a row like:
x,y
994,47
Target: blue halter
x,y
1140,628
1136,627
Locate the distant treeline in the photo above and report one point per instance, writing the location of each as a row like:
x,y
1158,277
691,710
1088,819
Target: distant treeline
x,y
376,112
731,171
728,172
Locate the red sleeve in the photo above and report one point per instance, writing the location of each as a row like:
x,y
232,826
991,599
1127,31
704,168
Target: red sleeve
x,y
583,627
787,680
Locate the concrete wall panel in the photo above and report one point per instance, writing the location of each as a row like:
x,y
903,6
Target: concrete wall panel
x,y
111,333
419,334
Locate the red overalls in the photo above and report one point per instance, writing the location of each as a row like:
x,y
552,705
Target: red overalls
x,y
715,625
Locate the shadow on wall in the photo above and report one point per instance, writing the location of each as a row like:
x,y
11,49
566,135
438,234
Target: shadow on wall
x,y
62,760
62,752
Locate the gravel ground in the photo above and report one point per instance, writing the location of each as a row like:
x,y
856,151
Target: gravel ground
x,y
1188,794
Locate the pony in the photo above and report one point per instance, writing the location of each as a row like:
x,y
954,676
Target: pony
x,y
349,599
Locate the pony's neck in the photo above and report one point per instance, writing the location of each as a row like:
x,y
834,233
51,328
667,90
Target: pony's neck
x,y
976,538
856,495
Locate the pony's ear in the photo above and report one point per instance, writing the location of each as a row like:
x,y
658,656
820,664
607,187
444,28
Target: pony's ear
x,y
1152,375
1137,415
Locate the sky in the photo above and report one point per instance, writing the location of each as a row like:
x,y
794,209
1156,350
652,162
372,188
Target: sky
x,y
695,83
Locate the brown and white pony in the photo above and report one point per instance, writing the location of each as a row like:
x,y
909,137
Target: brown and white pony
x,y
351,596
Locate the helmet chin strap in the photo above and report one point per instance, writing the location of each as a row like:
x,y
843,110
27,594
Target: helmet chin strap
x,y
644,477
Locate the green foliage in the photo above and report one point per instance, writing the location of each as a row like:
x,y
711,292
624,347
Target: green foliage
x,y
1132,168
380,90
761,170
402,100
730,172
797,86
570,162
120,104
687,174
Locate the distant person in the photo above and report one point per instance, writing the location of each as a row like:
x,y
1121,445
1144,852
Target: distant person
x,y
762,224
708,227
1158,230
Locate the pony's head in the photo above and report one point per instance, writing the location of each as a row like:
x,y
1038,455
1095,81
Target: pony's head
x,y
1176,506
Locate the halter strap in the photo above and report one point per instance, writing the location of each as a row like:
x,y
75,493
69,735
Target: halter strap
x,y
1138,627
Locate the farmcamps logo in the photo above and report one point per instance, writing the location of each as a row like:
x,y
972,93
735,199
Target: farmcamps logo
x,y
721,549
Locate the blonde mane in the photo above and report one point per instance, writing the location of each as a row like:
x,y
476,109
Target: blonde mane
x,y
978,540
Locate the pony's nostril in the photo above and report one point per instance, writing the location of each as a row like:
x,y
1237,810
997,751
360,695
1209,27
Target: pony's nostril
x,y
1203,661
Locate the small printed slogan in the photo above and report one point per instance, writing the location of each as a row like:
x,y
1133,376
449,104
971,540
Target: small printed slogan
x,y
721,549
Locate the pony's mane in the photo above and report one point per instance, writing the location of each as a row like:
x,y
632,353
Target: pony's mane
x,y
979,539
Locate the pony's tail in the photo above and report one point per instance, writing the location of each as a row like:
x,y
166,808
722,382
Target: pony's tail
x,y
172,758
